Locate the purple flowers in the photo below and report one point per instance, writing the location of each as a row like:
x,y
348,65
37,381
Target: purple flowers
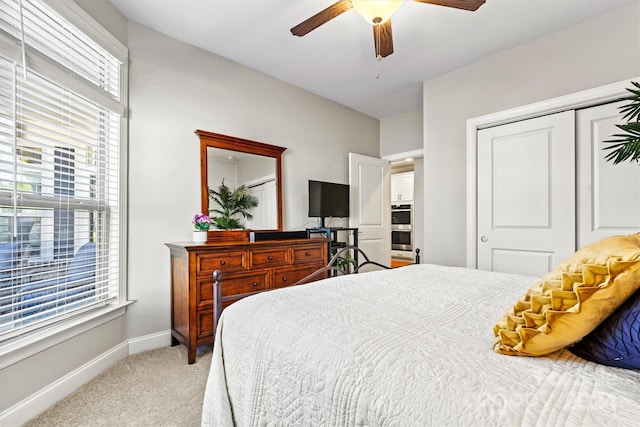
x,y
201,222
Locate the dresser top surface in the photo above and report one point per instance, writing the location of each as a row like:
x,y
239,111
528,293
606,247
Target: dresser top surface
x,y
192,246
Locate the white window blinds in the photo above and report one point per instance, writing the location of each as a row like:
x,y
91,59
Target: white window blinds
x,y
60,188
53,36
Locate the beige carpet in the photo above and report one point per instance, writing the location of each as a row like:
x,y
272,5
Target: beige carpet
x,y
154,388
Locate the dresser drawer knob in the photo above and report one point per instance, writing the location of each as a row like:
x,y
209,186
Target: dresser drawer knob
x,y
270,258
307,254
223,262
255,283
284,279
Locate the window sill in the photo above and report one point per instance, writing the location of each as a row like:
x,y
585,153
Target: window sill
x,y
33,343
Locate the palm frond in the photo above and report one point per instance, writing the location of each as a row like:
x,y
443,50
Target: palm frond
x,y
624,146
631,110
231,204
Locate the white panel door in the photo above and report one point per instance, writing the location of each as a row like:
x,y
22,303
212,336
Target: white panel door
x,y
265,215
608,195
526,195
370,199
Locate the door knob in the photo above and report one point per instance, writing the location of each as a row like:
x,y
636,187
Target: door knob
x,y
484,239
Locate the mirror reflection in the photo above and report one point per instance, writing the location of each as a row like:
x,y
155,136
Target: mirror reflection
x,y
257,173
239,162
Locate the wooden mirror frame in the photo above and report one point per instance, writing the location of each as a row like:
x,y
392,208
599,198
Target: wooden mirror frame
x,y
216,140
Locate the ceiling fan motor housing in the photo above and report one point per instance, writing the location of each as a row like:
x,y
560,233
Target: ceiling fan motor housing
x,y
376,12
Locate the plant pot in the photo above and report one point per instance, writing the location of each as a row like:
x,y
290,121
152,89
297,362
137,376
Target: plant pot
x,y
200,236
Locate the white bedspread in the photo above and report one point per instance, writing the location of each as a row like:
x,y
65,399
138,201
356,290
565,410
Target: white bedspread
x,y
404,347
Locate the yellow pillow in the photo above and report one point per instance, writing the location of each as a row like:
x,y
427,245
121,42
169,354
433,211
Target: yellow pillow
x,y
571,300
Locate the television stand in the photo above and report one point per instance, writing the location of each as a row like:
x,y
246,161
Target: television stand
x,y
342,237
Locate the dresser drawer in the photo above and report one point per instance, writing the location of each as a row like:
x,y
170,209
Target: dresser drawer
x,y
204,326
204,292
204,288
262,258
287,277
226,262
244,284
308,254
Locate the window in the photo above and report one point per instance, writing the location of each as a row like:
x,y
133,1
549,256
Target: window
x,y
61,119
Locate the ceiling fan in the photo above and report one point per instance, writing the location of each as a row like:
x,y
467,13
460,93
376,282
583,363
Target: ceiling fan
x,y
378,13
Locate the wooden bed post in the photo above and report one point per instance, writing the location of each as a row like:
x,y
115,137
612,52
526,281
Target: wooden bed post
x,y
217,291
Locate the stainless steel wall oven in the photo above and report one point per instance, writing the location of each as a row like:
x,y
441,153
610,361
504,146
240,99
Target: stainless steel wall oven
x,y
402,227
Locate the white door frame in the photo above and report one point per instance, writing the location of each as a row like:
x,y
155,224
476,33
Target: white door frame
x,y
582,99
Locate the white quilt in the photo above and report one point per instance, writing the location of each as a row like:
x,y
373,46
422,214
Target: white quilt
x,y
405,347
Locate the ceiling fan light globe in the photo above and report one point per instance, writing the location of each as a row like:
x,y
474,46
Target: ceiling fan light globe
x,y
376,11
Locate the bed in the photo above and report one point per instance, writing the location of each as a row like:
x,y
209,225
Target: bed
x,y
412,346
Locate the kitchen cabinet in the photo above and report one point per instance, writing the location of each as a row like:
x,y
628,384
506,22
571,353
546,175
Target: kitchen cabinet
x,y
402,187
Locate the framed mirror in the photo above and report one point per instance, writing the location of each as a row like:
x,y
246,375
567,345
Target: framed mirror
x,y
243,162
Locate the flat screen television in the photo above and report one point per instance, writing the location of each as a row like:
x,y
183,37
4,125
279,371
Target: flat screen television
x,y
328,199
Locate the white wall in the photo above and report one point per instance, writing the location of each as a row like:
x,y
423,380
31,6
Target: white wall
x,y
253,168
401,133
596,52
219,170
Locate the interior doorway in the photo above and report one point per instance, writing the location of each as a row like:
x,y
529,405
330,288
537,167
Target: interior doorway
x,y
407,209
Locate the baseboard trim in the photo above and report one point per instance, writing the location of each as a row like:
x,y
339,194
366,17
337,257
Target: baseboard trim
x,y
149,342
40,401
46,397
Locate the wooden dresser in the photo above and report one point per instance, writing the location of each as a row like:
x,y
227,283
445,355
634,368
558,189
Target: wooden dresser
x,y
247,268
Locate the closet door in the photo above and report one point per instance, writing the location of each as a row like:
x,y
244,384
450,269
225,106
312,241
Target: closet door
x,y
526,194
608,195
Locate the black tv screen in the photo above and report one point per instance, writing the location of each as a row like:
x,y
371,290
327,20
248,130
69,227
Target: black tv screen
x,y
328,199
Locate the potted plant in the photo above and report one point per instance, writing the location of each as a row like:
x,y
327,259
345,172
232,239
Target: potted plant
x,y
345,262
231,204
201,224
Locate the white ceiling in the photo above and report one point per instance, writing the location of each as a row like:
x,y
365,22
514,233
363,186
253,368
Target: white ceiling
x,y
337,60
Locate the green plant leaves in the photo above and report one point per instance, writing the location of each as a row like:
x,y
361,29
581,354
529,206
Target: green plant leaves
x,y
632,109
342,262
231,204
626,146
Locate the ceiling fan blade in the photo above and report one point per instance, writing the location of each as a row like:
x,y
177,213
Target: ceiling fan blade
x,y
383,39
320,18
457,4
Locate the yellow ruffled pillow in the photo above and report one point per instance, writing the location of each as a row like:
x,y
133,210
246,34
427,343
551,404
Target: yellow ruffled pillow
x,y
570,301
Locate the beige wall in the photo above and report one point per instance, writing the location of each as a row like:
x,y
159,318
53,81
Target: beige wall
x,y
401,133
596,52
